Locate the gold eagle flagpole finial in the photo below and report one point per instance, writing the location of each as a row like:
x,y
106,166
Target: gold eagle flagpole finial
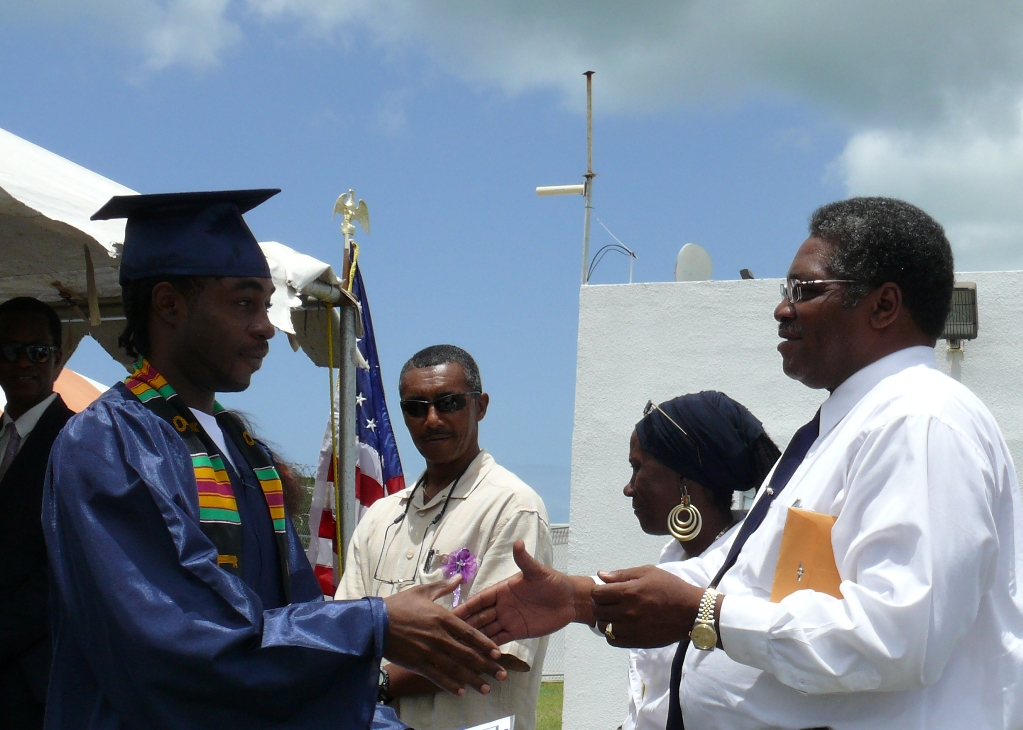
x,y
351,213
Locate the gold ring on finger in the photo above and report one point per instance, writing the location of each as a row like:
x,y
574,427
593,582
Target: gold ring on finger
x,y
608,632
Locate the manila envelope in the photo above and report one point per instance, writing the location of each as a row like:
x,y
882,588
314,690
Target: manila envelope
x,y
806,560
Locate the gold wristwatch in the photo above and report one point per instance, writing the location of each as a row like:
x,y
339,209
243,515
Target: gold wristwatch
x,y
704,635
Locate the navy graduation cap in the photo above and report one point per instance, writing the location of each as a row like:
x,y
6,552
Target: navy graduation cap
x,y
188,234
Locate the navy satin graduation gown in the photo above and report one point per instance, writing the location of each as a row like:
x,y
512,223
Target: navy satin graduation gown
x,y
149,633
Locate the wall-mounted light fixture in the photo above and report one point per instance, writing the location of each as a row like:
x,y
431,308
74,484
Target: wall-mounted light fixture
x,y
962,317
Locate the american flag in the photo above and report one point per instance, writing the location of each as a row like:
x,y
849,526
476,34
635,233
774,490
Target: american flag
x,y
378,469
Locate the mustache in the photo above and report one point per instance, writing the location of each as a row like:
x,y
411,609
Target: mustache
x,y
789,328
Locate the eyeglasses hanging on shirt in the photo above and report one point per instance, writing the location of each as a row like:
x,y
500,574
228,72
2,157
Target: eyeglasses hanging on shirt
x,y
426,564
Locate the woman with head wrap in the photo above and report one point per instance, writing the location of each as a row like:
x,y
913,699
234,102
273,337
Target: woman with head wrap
x,y
689,456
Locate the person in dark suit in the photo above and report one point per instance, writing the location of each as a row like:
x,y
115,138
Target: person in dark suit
x,y
30,359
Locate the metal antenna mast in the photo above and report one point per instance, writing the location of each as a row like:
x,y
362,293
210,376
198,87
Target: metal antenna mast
x,y
588,189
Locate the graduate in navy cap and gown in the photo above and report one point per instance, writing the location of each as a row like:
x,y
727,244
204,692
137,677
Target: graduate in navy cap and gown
x,y
181,597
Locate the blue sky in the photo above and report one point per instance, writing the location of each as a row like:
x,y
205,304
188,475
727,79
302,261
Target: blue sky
x,y
719,123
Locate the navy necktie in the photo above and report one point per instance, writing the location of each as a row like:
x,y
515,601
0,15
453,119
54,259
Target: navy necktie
x,y
790,461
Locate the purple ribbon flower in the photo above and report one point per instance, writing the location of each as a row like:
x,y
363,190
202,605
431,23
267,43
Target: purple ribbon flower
x,y
462,562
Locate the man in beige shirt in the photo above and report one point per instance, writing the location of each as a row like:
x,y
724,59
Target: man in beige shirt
x,y
463,501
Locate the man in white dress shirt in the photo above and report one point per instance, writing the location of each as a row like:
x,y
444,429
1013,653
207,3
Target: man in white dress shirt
x,y
928,633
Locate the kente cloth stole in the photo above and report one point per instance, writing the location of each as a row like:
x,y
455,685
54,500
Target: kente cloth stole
x,y
218,508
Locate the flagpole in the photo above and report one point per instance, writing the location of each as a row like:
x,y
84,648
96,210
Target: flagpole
x,y
333,437
346,504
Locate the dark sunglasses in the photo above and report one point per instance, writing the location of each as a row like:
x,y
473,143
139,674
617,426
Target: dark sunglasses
x,y
651,407
445,404
11,351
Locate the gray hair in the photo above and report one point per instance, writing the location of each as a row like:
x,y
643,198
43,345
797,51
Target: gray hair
x,y
880,240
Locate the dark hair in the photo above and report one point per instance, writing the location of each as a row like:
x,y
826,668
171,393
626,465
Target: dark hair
x,y
295,492
25,305
137,297
764,454
880,240
435,355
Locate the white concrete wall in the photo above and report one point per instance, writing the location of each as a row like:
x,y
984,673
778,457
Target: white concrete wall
x,y
656,341
554,659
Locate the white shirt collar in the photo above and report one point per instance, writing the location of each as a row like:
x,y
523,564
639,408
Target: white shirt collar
x,y
29,418
213,430
857,385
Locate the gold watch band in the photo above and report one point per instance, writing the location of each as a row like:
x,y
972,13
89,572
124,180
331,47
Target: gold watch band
x,y
704,636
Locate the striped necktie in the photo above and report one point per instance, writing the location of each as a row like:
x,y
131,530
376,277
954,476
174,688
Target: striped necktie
x,y
790,461
13,445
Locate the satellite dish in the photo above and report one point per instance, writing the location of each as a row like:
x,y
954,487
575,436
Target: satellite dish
x,y
693,264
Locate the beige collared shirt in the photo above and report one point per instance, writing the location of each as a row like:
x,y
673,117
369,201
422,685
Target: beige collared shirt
x,y
490,508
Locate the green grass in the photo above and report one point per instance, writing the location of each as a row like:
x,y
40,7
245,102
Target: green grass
x,y
548,709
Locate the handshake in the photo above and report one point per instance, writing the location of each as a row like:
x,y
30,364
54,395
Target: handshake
x,y
454,649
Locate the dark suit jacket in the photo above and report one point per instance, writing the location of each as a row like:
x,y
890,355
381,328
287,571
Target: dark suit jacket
x,y
24,584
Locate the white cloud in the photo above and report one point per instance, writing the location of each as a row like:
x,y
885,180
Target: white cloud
x,y
194,34
966,174
873,60
929,91
867,62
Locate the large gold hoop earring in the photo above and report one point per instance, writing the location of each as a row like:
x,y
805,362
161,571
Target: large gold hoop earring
x,y
685,521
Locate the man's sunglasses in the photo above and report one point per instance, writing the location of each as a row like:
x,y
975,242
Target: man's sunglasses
x,y
651,407
445,404
11,351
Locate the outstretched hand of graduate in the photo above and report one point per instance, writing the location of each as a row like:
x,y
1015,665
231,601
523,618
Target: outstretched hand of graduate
x,y
426,638
536,602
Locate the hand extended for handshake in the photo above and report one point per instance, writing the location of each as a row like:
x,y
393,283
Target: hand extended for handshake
x,y
429,640
647,606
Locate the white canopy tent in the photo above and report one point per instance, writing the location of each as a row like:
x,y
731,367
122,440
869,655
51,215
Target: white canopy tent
x,y
51,250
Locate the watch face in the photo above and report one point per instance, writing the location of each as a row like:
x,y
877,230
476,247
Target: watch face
x,y
704,636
